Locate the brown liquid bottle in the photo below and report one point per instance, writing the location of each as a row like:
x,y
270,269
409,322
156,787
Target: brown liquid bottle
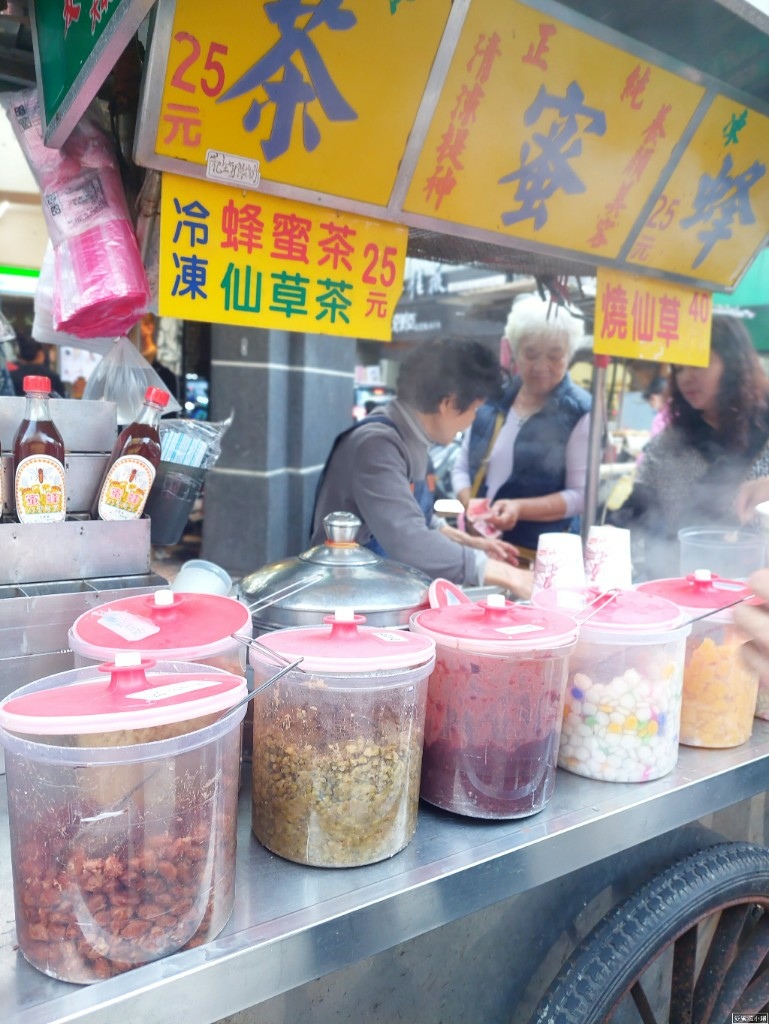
x,y
130,472
38,459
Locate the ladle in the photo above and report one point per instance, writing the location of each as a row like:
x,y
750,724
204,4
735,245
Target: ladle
x,y
287,666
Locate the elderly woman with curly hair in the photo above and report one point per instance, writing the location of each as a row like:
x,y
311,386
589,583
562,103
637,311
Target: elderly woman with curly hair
x,y
716,439
527,452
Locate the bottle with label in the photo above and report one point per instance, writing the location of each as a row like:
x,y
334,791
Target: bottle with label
x,y
130,472
38,459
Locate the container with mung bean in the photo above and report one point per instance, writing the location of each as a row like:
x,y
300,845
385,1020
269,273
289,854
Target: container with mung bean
x,y
337,744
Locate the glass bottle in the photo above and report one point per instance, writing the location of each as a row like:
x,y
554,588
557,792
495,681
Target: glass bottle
x,y
38,459
130,472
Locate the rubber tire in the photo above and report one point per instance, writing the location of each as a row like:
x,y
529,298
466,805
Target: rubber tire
x,y
623,943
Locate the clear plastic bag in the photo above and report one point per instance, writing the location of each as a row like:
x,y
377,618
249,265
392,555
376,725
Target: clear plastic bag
x,y
123,377
195,443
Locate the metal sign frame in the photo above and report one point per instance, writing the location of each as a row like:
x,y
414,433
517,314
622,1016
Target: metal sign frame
x,y
150,111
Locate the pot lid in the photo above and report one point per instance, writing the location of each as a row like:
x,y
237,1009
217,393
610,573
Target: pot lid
x,y
615,611
343,645
133,697
700,590
496,625
337,573
163,624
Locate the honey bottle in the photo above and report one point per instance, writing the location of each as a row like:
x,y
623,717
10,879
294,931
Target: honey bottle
x,y
38,459
132,465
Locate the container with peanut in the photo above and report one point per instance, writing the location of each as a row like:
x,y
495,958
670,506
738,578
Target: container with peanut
x,y
125,853
337,745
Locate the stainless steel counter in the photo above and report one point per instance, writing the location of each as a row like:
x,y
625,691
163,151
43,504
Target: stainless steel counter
x,y
292,924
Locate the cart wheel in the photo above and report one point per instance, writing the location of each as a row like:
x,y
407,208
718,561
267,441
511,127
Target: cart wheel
x,y
691,946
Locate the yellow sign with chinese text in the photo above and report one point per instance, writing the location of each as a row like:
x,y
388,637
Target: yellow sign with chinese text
x,y
324,95
548,134
713,213
234,257
640,318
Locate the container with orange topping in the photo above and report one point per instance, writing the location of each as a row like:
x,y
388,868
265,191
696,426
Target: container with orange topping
x,y
719,698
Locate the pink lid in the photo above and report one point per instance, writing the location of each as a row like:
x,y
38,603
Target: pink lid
x,y
496,625
133,698
161,625
617,611
443,592
343,647
699,591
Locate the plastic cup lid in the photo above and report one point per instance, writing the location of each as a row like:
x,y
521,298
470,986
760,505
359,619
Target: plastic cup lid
x,y
699,591
496,625
133,697
161,625
344,645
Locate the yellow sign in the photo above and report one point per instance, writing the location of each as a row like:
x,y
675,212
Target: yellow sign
x,y
713,213
234,257
324,95
546,133
640,318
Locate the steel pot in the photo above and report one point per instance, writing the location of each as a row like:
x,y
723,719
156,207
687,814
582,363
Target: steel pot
x,y
300,591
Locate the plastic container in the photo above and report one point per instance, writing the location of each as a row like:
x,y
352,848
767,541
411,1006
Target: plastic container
x,y
623,700
494,706
337,743
732,554
122,805
182,627
720,691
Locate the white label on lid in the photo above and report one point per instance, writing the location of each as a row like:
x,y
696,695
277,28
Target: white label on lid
x,y
519,630
173,689
392,638
128,626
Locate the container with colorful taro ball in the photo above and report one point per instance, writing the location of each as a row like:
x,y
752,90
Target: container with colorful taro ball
x,y
720,691
337,744
494,706
122,806
623,700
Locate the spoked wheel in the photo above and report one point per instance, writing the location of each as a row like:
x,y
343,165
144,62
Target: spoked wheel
x,y
691,947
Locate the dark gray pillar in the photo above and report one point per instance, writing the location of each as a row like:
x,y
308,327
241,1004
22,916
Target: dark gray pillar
x,y
291,394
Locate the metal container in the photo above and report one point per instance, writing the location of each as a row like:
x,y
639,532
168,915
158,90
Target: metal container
x,y
339,573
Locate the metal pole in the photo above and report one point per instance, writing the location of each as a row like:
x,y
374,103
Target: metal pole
x,y
595,443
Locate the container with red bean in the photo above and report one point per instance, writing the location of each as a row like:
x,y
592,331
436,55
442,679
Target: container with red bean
x,y
122,804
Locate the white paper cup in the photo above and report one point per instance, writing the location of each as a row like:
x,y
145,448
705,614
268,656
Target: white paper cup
x,y
607,558
559,561
201,577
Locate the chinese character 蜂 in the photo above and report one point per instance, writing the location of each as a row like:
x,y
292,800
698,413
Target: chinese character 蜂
x,y
721,200
242,227
283,81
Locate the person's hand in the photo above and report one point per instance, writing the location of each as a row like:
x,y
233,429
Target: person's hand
x,y
505,513
750,494
754,620
495,548
518,581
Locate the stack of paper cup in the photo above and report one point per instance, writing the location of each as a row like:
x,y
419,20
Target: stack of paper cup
x,y
559,561
607,558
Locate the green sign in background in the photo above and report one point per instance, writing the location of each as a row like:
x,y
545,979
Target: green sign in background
x,y
72,65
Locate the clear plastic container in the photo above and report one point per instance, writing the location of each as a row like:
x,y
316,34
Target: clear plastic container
x,y
494,707
183,627
720,691
732,554
337,746
122,826
622,711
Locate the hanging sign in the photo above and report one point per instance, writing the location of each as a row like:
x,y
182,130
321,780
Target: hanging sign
x,y
641,318
548,134
76,46
323,94
234,257
713,213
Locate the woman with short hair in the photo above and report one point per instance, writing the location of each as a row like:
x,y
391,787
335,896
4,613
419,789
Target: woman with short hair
x,y
527,451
